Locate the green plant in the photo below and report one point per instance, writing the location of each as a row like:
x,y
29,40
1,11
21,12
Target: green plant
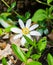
x,y
45,2
1,31
22,57
35,48
42,17
34,63
18,53
41,14
50,59
5,21
49,1
25,17
40,45
4,61
11,7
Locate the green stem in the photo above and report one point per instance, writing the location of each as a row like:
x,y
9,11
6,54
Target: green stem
x,y
43,3
9,6
5,3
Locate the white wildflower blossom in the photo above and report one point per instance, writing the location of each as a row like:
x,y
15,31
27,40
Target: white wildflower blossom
x,y
27,30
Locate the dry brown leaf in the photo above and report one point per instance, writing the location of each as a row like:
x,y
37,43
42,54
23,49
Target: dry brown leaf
x,y
50,36
5,52
22,64
24,49
29,60
6,36
2,45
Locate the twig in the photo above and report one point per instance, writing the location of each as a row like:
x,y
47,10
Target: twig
x,y
9,6
43,3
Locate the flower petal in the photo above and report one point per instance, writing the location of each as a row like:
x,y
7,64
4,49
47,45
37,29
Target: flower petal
x,y
16,30
33,27
28,23
28,35
35,33
23,41
17,36
21,23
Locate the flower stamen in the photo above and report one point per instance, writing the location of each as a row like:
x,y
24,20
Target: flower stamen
x,y
25,31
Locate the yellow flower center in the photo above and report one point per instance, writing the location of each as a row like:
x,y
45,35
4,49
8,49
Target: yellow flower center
x,y
25,31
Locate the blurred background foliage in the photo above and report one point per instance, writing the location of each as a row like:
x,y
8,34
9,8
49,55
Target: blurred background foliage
x,y
23,6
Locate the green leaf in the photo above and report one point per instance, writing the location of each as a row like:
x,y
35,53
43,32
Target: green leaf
x,y
50,17
50,10
35,56
22,18
46,31
49,1
5,15
50,59
27,45
27,15
29,52
39,15
9,9
34,43
29,41
42,24
13,4
47,11
41,45
4,61
34,63
40,30
1,31
18,53
8,29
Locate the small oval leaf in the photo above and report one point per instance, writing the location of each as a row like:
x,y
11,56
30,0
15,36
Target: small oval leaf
x,y
4,61
18,53
50,59
34,63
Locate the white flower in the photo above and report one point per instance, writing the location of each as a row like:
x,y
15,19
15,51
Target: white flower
x,y
27,30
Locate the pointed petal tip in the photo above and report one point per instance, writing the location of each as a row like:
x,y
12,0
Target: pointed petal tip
x,y
21,23
28,23
23,41
19,20
33,27
35,33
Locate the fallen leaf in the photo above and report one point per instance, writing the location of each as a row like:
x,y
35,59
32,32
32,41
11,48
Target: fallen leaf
x,y
50,36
